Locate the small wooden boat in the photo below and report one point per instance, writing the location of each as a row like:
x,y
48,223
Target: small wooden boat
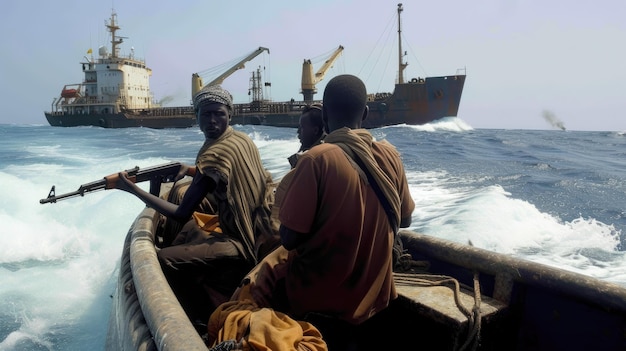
x,y
452,297
145,314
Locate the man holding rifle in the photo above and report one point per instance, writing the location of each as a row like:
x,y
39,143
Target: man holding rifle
x,y
211,254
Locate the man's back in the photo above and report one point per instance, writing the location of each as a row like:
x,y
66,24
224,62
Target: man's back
x,y
344,267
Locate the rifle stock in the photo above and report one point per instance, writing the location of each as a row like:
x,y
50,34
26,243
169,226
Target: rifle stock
x,y
156,175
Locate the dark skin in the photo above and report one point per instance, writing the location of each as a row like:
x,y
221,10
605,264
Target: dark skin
x,y
213,120
332,121
308,133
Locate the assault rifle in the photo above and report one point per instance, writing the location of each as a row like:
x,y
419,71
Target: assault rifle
x,y
156,175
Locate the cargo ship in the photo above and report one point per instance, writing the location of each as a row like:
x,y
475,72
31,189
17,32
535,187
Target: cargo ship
x,y
414,101
115,93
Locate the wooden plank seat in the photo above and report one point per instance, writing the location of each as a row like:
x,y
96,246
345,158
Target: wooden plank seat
x,y
432,302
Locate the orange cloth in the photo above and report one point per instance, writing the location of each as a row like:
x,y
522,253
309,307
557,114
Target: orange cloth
x,y
262,329
207,222
262,279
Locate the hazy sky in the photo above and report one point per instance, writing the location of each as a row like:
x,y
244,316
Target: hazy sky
x,y
521,57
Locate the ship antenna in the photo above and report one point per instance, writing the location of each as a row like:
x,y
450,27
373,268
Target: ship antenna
x,y
115,40
401,66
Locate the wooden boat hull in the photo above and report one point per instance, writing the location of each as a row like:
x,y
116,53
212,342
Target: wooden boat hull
x,y
524,305
145,314
546,308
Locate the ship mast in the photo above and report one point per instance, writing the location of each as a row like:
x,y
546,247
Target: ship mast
x,y
256,90
115,40
401,66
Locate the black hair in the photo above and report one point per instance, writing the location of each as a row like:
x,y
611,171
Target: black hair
x,y
346,96
314,112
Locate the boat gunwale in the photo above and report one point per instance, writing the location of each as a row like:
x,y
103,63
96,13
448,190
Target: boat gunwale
x,y
590,290
170,327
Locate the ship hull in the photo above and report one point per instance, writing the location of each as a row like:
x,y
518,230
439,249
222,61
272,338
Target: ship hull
x,y
418,102
121,120
115,93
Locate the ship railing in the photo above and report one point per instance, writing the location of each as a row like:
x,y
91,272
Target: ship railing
x,y
121,60
163,111
378,96
265,107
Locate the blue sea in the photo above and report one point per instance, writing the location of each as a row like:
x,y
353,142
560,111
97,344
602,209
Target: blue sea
x,y
550,196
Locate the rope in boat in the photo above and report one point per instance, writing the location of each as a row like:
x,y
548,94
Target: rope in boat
x,y
473,336
473,315
228,345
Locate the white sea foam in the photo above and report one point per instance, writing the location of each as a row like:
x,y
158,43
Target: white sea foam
x,y
491,219
449,124
58,261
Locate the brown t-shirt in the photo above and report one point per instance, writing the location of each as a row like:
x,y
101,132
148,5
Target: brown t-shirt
x,y
344,267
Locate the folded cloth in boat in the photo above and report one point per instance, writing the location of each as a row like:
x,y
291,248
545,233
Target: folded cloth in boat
x,y
262,328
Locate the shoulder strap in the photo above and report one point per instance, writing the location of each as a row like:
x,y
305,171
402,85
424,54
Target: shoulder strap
x,y
397,248
383,199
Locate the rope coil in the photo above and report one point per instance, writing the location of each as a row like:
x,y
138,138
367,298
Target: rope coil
x,y
430,280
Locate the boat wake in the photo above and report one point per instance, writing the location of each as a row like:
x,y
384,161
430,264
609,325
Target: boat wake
x,y
445,124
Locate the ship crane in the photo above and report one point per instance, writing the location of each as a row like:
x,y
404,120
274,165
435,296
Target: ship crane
x,y
196,80
309,80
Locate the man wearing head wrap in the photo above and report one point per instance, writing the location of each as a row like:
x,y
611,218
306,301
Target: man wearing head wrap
x,y
208,258
213,94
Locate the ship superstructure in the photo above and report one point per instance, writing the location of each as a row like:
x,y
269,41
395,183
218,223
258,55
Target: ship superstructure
x,y
115,93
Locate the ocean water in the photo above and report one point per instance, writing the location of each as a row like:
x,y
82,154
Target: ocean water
x,y
554,197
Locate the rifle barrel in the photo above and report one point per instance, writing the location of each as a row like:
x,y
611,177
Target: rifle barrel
x,y
156,175
85,188
53,198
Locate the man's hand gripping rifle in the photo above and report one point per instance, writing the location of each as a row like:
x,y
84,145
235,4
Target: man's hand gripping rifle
x,y
156,175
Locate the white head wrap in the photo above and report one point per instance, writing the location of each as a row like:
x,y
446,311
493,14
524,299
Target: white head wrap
x,y
213,93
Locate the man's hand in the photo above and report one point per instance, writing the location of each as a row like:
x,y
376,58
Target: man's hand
x,y
120,181
185,170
